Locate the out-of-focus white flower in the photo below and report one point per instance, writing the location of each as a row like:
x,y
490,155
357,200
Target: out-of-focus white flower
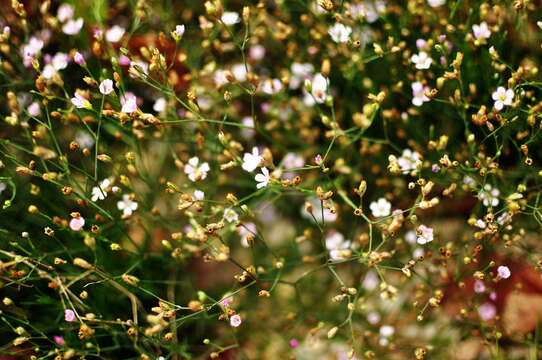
x,y
195,170
127,205
235,320
72,27
129,103
106,86
271,86
370,282
481,32
179,31
230,18
380,208
34,109
319,87
409,160
489,195
503,272
340,33
239,72
248,229
425,234
422,60
64,12
252,160
263,178
77,223
160,105
300,72
436,3
418,94
256,52
487,311
199,195
503,97
80,102
338,247
114,34
230,215
248,127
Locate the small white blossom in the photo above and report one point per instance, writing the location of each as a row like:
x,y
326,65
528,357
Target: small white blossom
x,y
263,178
503,97
422,60
340,33
235,321
319,87
129,103
380,208
127,205
64,12
481,32
106,87
114,34
80,102
409,160
489,195
230,18
436,3
195,170
425,234
199,195
72,27
418,94
230,215
252,160
338,247
100,192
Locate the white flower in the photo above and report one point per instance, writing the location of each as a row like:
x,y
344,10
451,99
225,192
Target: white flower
x,y
271,86
425,234
319,87
199,195
106,87
84,139
195,170
179,30
160,105
338,247
239,72
230,215
220,78
129,103
80,102
100,192
256,52
114,34
60,61
34,109
3,186
481,32
251,161
422,60
127,205
409,160
248,229
489,195
387,331
418,94
300,73
317,211
72,27
263,178
371,281
235,320
503,97
503,272
380,208
292,161
77,223
230,18
340,33
64,12
248,127
33,48
436,3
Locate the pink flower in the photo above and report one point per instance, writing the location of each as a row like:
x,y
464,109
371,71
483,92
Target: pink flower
x,y
479,287
106,87
487,311
503,272
114,34
235,320
69,315
77,223
293,343
79,58
80,102
59,340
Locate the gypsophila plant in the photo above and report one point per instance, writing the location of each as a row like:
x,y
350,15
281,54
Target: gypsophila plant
x,y
280,179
